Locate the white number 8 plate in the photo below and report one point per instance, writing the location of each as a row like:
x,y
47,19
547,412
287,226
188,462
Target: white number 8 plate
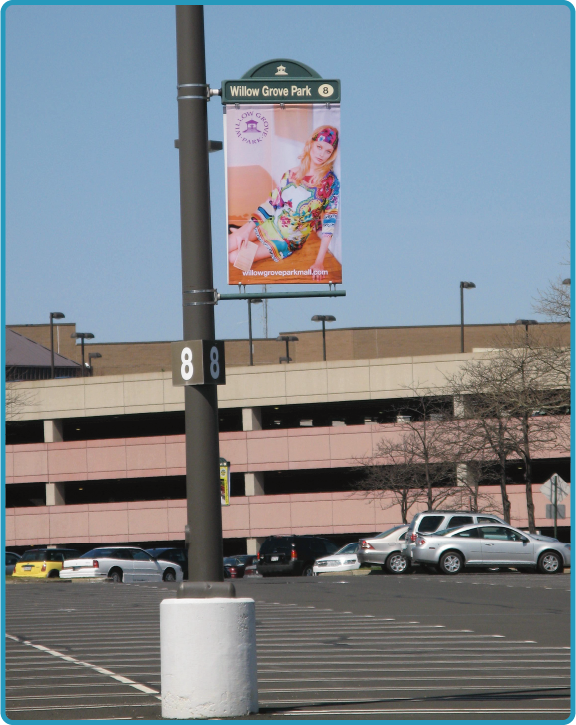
x,y
198,362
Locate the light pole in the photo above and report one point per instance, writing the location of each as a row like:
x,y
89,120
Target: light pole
x,y
92,356
324,319
250,303
287,339
204,510
53,316
526,324
82,336
463,286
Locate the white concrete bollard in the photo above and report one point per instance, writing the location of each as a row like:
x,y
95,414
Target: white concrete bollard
x,y
208,658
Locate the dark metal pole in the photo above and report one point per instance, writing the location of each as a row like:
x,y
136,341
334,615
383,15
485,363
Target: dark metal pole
x,y
51,347
324,339
201,402
461,317
287,352
250,330
555,505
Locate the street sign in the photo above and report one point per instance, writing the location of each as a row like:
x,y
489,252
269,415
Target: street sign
x,y
281,81
281,91
198,362
560,514
555,488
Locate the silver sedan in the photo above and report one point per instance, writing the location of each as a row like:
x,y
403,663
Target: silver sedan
x,y
121,564
385,549
490,546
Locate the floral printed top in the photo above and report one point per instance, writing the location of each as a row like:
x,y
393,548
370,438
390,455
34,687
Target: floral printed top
x,y
299,209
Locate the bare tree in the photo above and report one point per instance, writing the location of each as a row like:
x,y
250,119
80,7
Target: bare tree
x,y
397,478
513,403
17,399
554,301
418,460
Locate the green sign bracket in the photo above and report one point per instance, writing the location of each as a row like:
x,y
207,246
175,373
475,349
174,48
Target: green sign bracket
x,y
280,295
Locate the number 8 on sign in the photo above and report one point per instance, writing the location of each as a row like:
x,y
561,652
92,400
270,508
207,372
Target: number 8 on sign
x,y
214,364
187,369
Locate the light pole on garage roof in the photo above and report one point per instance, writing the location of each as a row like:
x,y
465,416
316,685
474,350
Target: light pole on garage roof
x,y
53,316
463,286
287,339
82,336
324,319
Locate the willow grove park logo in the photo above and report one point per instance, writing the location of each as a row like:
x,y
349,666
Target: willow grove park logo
x,y
252,127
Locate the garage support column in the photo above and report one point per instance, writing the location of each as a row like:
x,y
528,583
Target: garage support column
x,y
254,484
53,432
254,544
55,494
251,419
465,474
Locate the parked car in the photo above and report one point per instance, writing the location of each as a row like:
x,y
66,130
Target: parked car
x,y
10,560
345,559
386,549
234,566
121,564
427,522
490,546
249,561
292,555
177,555
43,563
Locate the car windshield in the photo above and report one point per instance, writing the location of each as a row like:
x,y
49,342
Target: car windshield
x,y
276,545
102,553
348,549
33,556
384,534
443,532
231,561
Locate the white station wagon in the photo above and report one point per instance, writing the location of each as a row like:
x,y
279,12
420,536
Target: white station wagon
x,y
121,564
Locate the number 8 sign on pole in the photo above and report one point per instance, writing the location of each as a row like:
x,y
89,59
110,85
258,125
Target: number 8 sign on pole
x,y
198,362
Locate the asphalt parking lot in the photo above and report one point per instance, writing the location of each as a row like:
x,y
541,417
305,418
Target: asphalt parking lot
x,y
475,646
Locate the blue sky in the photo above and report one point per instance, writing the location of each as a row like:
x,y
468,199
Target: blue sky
x,y
455,160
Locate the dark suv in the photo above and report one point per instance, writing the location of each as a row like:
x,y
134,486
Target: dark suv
x,y
292,555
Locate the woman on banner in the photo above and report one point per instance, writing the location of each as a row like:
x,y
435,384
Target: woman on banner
x,y
306,200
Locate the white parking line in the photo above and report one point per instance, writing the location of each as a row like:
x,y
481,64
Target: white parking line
x,y
413,688
100,670
428,711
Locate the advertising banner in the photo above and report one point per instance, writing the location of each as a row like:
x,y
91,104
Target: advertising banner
x,y
224,482
283,193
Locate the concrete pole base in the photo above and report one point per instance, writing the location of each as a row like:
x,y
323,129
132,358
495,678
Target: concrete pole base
x,y
208,658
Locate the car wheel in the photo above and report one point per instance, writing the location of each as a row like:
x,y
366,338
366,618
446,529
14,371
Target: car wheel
x,y
396,563
550,562
308,570
53,574
451,563
169,575
116,576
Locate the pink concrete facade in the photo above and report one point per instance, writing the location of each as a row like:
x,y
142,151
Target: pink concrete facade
x,y
255,516
247,451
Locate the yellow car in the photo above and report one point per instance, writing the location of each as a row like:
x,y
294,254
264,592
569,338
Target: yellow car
x,y
43,563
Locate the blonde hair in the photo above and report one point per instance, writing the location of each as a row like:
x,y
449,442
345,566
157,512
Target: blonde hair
x,y
304,158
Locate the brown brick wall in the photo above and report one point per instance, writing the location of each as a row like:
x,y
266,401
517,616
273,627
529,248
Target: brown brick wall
x,y
120,358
